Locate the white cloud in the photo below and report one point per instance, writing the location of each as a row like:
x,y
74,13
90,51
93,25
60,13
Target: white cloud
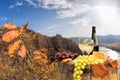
x,y
11,6
55,4
73,11
81,22
50,28
19,4
66,8
31,2
3,18
16,4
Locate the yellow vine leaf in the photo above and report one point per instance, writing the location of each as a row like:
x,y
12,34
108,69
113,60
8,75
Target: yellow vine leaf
x,y
22,51
36,52
42,57
44,50
23,28
9,26
12,48
11,35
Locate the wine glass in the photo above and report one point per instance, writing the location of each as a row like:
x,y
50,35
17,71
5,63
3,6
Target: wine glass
x,y
86,45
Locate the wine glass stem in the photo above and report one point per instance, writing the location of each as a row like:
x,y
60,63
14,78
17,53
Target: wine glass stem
x,y
83,52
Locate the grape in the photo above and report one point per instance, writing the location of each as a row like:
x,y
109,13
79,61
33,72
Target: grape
x,y
76,64
58,54
67,55
82,67
64,55
58,57
80,64
75,55
78,77
70,55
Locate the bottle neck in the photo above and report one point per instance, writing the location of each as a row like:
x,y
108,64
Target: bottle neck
x,y
93,32
93,35
94,38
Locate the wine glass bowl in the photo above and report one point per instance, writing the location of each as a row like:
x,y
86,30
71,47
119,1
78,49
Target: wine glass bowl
x,y
86,45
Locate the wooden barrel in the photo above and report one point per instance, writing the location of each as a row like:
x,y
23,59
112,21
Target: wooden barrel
x,y
65,72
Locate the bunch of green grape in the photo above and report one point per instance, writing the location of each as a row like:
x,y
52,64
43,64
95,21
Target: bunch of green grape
x,y
80,64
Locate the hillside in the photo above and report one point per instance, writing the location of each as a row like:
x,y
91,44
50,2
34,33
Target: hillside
x,y
37,41
56,44
27,55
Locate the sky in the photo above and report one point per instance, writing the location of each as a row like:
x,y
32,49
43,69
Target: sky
x,y
70,18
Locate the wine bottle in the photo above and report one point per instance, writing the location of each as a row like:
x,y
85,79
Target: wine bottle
x,y
95,40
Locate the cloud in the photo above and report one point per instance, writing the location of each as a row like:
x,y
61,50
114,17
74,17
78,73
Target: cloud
x,y
55,4
50,28
11,6
16,4
3,18
31,3
81,22
19,4
66,8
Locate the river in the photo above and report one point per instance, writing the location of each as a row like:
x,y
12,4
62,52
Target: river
x,y
113,54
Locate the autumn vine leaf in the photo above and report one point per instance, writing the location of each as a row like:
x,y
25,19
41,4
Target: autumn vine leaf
x,y
22,51
44,50
11,35
36,52
9,26
40,55
12,48
23,28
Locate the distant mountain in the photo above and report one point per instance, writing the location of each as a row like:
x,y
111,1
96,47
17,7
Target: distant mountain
x,y
109,38
103,39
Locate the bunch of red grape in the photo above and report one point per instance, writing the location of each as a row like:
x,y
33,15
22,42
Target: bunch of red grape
x,y
64,55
